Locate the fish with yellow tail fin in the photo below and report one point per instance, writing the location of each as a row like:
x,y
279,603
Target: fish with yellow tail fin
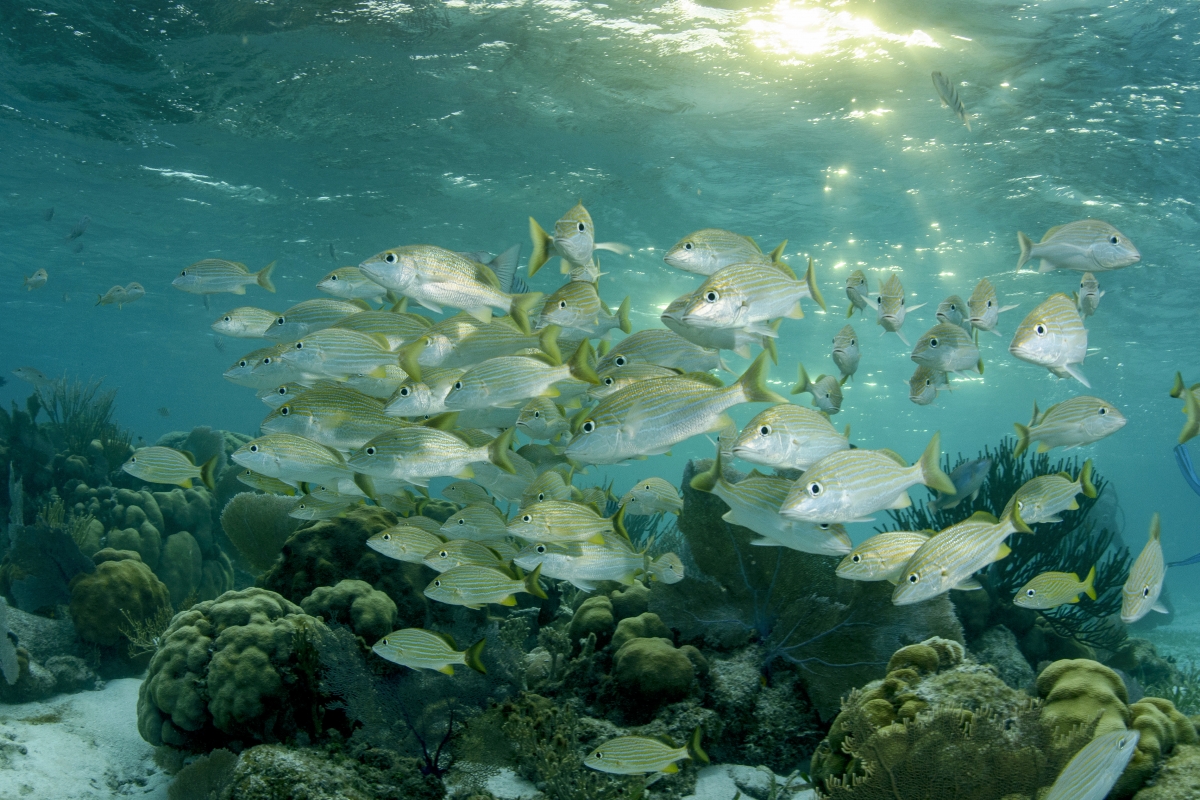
x,y
418,396
955,311
457,552
643,755
1140,594
1071,423
882,557
947,348
739,340
891,308
845,352
217,276
113,297
246,322
417,454
706,251
849,486
542,418
576,306
1088,297
950,559
985,307
667,568
292,458
337,353
310,316
614,379
662,348
925,383
826,391
350,283
550,485
1053,336
857,293
417,648
1043,498
37,280
474,586
1092,772
309,507
789,437
510,381
652,496
948,93
167,465
405,543
574,240
748,295
265,483
585,564
559,521
1088,245
477,521
1053,589
399,329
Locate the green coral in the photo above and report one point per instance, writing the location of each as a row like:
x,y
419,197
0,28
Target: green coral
x,y
122,591
653,672
1080,692
643,626
594,616
258,525
371,614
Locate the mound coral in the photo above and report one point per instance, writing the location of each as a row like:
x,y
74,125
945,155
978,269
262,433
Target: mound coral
x,y
369,613
122,591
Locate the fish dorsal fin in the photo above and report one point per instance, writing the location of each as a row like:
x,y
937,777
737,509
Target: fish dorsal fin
x,y
667,740
751,241
704,377
754,473
485,275
893,455
363,304
189,456
447,638
983,516
785,269
1051,232
1066,475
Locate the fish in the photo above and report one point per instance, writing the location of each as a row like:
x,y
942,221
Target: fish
x,y
614,379
739,340
1092,772
398,328
1053,589
473,586
661,348
163,411
242,372
32,376
414,397
309,507
948,93
947,348
48,214
510,381
585,564
710,250
754,503
79,228
167,465
134,291
574,240
881,557
405,542
218,276
244,322
850,485
310,316
277,396
985,307
559,521
465,493
845,352
380,383
333,415
336,353
1078,421
417,648
856,291
1053,336
456,552
436,277
351,283
826,391
968,478
550,485
576,306
1088,245
950,559
642,755
266,484
789,437
925,383
416,454
650,417
291,458
462,341
890,307
1043,498
1139,595
504,485
477,521
652,496
748,295
667,568
37,280
114,296
955,311
1087,299
541,418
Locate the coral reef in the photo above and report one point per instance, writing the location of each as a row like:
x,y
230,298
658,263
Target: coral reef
x,y
1079,693
595,617
205,778
120,593
1178,778
258,525
371,614
651,672
41,561
274,772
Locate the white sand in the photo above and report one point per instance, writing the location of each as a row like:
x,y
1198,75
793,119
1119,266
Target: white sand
x,y
92,751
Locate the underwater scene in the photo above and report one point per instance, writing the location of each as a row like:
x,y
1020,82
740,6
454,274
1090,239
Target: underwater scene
x,y
579,400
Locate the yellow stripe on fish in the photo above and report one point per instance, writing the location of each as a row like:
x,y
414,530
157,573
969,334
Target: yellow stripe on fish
x,y
882,557
1053,589
1092,772
1053,336
166,465
1142,588
418,648
1071,423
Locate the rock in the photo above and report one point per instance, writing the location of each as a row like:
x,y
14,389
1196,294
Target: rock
x,y
43,637
998,647
631,601
594,615
727,781
653,672
1179,777
643,626
1139,658
72,674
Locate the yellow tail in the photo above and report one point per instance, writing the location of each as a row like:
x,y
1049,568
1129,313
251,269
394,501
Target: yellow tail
x,y
1026,247
263,276
541,247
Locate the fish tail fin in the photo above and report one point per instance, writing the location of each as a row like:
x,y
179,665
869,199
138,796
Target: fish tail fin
x,y
100,297
581,363
771,349
1022,439
931,473
1085,480
207,470
1089,584
1192,426
263,276
1155,529
472,656
803,384
847,433
531,583
447,421
548,343
706,481
521,305
1178,388
541,247
1026,248
499,449
1036,413
694,750
754,383
409,355
618,523
810,278
505,266
1019,524
776,255
623,316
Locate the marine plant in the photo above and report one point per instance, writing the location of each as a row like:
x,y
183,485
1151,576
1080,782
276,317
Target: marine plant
x,y
26,454
205,778
1183,691
82,413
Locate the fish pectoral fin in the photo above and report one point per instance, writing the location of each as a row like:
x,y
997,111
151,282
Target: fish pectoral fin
x,y
1053,519
466,474
1074,371
796,312
1160,608
1002,551
998,333
671,768
447,670
238,290
1046,266
969,585
584,586
903,501
434,307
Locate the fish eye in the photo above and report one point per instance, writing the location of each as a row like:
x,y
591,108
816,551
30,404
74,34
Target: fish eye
x,y
914,577
1146,592
370,451
647,487
620,361
1103,411
712,296
824,526
1040,330
462,520
390,258
282,390
267,361
253,448
856,558
527,518
928,382
387,537
443,554
933,342
609,381
589,426
989,303
687,245
541,496
853,342
437,584
404,391
879,300
764,430
184,272
458,384
582,227
333,276
133,459
537,415
952,308
242,363
1112,240
280,320
299,345
227,318
541,548
901,301
562,303
284,410
599,754
1030,592
814,489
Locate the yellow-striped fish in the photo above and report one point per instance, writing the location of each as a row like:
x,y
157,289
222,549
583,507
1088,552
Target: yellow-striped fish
x,y
739,340
642,755
614,379
891,308
278,395
925,383
462,341
405,543
1140,594
133,291
948,93
1088,296
1053,336
747,295
709,250
574,240
857,292
465,493
1053,589
882,557
850,485
585,564
845,352
662,348
332,415
350,283
955,311
417,397
309,507
216,275
510,381
541,418
1043,498
245,322
947,348
264,483
242,371
310,316
167,465
550,485
1071,423
652,496
476,521
667,568
826,391
292,458
399,329
576,307
1088,245
473,586
417,454
113,297
379,383
985,307
337,353
789,437
1091,773
558,521
457,552
418,648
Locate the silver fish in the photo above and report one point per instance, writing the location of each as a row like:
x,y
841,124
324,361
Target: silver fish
x,y
985,307
954,310
748,295
662,348
1088,296
706,251
1088,245
948,93
1092,772
789,437
1053,336
1071,423
826,391
891,308
947,348
574,240
882,557
216,275
245,322
845,351
856,291
925,383
1139,595
37,280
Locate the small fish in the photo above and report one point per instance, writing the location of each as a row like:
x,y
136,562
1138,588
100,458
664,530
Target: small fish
x,y
167,465
405,543
48,214
114,296
1087,245
739,340
585,564
350,283
331,414
291,458
642,755
37,280
1092,772
242,372
1088,297
309,507
1071,423
746,296
845,352
400,329
541,418
557,521
457,552
414,398
576,306
474,586
662,348
163,411
985,307
954,310
79,228
477,521
882,557
418,648
336,353
32,375
968,478
925,383
265,484
789,437
652,496
850,485
216,276
667,568
134,291
463,341
1142,588
511,381
465,493
1043,498
1053,589
245,322
826,391
948,93
890,307
550,485
310,316
947,348
614,379
574,240
856,291
416,454
1053,336
709,250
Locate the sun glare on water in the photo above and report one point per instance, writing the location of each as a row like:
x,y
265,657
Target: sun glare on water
x,y
802,29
